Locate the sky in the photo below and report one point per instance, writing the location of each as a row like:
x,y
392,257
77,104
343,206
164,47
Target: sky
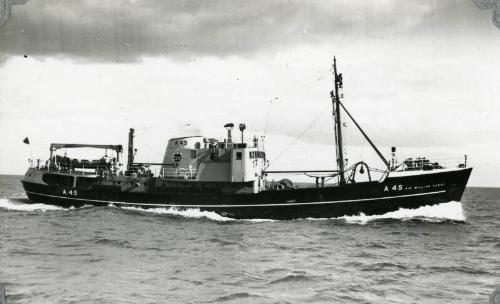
x,y
418,75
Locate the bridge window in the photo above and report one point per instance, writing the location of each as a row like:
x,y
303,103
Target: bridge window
x,y
238,155
193,153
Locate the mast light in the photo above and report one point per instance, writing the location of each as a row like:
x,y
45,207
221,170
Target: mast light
x,y
242,129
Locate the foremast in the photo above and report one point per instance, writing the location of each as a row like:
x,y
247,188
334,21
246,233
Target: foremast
x,y
337,79
335,95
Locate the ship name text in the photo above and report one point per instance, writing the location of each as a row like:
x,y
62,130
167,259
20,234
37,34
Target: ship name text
x,y
399,187
70,192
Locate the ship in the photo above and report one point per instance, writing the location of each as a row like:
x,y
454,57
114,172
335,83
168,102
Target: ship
x,y
232,178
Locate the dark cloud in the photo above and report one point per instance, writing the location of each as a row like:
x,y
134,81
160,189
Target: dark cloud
x,y
5,7
494,5
128,30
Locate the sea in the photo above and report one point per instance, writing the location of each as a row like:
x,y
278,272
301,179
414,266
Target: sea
x,y
448,253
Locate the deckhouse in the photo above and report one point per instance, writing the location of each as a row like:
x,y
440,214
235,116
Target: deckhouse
x,y
210,160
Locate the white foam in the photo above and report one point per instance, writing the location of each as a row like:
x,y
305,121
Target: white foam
x,y
19,195
6,203
442,212
259,220
188,213
192,213
446,211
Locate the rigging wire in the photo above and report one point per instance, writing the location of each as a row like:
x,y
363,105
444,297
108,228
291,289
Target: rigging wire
x,y
323,111
268,114
321,77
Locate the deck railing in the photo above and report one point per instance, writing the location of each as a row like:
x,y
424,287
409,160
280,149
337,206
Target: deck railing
x,y
180,173
422,163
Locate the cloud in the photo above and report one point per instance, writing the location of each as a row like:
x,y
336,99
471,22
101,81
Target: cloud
x,y
126,31
494,5
5,8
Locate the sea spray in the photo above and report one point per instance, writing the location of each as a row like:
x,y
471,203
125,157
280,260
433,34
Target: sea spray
x,y
8,204
445,211
188,213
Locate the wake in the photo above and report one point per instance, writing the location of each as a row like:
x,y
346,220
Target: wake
x,y
451,211
188,213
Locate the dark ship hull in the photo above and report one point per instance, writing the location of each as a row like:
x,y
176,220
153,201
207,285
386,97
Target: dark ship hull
x,y
370,198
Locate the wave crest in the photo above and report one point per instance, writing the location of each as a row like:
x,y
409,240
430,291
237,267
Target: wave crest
x,y
188,213
451,211
16,205
292,278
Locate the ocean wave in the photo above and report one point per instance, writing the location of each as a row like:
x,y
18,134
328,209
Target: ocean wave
x,y
292,278
259,220
16,205
236,297
19,195
460,268
451,211
113,243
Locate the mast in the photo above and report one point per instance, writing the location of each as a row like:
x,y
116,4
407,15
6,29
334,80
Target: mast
x,y
338,124
130,159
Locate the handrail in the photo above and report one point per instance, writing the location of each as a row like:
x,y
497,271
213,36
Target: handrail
x,y
183,173
57,146
153,164
299,171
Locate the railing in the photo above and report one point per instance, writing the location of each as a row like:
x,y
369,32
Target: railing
x,y
77,171
180,173
422,163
